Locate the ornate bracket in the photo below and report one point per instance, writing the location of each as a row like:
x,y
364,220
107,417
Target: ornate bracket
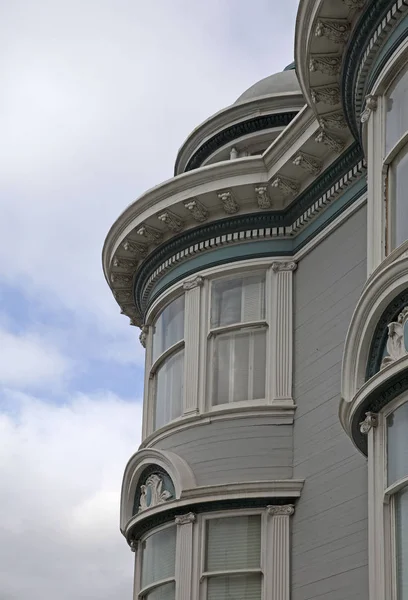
x,y
309,163
371,104
144,330
228,202
262,196
185,519
370,421
197,210
192,283
336,30
150,233
173,222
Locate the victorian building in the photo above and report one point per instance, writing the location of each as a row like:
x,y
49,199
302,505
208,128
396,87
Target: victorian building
x,y
269,278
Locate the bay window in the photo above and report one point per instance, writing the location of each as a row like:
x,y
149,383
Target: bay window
x,y
231,562
237,339
396,160
168,363
158,556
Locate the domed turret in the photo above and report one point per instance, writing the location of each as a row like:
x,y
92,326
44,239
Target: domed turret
x,y
278,83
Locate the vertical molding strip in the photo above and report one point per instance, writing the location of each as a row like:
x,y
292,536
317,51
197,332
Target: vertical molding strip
x,y
136,548
277,568
282,331
192,289
184,556
147,425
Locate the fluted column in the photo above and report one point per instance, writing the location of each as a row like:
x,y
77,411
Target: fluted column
x,y
184,556
192,288
281,339
277,568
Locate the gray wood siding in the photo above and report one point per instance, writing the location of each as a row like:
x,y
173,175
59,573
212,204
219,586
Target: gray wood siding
x,y
329,536
234,450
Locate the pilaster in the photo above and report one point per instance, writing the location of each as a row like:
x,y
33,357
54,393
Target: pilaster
x,y
146,339
184,556
376,210
281,334
135,547
192,288
277,568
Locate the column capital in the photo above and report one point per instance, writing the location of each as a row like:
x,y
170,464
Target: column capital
x,y
371,103
133,545
281,265
144,330
276,510
369,422
185,519
192,283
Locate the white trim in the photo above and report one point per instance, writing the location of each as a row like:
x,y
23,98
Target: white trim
x,y
184,556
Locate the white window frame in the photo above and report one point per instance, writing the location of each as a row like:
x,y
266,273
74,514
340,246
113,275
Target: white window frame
x,y
139,592
381,499
212,333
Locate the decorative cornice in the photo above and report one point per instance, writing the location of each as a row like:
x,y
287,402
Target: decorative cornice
x,y
279,266
197,210
287,186
262,197
328,94
334,120
325,63
308,163
150,233
229,204
336,30
333,142
143,335
277,510
173,222
192,283
185,519
370,421
236,131
371,103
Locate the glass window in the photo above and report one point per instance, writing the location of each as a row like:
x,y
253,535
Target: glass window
x,y
237,347
168,372
158,565
401,518
169,327
233,546
397,444
397,112
399,170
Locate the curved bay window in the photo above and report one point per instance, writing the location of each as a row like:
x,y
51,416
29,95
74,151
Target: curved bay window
x,y
396,160
237,339
395,424
158,565
168,363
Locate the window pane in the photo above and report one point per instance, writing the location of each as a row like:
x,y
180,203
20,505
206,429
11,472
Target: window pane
x,y
400,185
237,300
164,592
238,362
158,558
233,543
169,327
397,113
169,389
237,587
402,543
397,444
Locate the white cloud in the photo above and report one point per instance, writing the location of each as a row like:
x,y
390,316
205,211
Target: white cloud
x,y
60,473
29,361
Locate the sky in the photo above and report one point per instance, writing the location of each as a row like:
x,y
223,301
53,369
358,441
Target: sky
x,y
96,98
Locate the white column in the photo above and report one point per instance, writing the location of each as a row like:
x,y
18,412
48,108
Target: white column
x,y
146,339
192,288
277,567
184,556
376,210
136,548
281,332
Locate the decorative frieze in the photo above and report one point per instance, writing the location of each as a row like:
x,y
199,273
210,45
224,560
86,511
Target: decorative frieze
x,y
288,187
125,263
369,422
173,222
185,519
262,196
151,234
309,163
334,143
327,64
121,278
152,492
230,205
329,94
192,283
135,247
285,510
197,210
371,104
333,120
336,30
144,330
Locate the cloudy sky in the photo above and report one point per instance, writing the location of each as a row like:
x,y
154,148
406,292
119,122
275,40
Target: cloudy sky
x,y
96,98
